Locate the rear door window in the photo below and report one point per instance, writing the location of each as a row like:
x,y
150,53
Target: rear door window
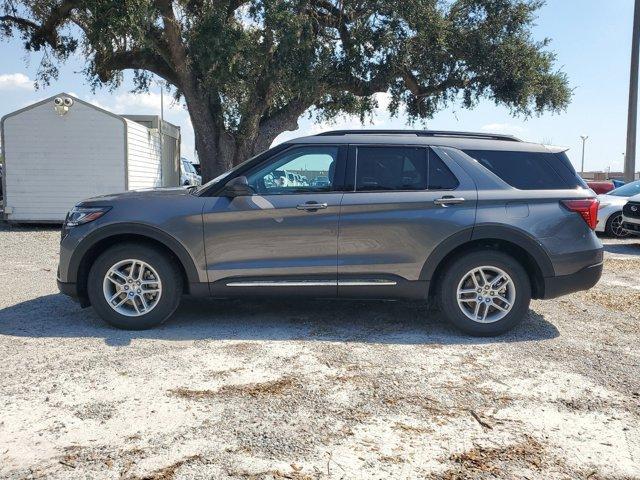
x,y
529,170
391,168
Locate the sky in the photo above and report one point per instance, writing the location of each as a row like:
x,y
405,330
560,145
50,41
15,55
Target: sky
x,y
592,40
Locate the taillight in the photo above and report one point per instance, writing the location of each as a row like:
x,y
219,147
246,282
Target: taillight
x,y
586,207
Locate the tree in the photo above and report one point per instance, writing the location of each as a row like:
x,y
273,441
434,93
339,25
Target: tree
x,y
247,70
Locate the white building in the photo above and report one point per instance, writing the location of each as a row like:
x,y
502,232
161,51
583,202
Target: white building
x,y
62,150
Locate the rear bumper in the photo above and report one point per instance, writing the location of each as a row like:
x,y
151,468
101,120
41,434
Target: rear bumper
x,y
581,280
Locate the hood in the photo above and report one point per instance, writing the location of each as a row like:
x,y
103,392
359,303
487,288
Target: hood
x,y
142,193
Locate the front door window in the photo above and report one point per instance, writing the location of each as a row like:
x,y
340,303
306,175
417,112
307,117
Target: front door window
x,y
301,170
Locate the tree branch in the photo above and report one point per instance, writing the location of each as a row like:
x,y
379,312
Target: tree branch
x,y
46,33
233,6
285,119
173,33
106,63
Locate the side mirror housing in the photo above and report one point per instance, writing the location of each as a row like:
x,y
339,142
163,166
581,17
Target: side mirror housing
x,y
237,187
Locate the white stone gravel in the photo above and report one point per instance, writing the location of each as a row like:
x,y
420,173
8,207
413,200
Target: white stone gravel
x,y
315,389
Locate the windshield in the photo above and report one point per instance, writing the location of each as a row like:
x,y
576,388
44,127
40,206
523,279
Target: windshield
x,y
628,190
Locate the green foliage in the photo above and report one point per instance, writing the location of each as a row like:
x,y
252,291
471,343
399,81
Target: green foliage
x,y
252,61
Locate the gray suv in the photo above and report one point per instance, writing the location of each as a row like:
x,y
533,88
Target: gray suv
x,y
479,223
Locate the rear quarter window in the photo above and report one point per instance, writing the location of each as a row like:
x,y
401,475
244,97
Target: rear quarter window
x,y
530,170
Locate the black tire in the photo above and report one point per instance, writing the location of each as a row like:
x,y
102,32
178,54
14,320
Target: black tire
x,y
166,269
459,268
609,228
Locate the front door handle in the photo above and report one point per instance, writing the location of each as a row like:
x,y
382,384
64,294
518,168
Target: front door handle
x,y
312,206
448,200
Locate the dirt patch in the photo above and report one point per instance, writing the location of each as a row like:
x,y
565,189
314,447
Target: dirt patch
x,y
627,301
483,462
411,429
193,394
168,472
274,387
621,264
101,411
272,475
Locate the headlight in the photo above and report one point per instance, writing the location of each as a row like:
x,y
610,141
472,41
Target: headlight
x,y
81,215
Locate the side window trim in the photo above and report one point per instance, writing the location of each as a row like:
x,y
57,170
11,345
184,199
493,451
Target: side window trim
x,y
339,174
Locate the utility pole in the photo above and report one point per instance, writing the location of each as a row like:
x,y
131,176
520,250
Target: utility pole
x,y
161,137
584,140
632,120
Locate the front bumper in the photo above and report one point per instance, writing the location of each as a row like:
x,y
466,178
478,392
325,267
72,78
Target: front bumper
x,y
68,289
631,225
581,280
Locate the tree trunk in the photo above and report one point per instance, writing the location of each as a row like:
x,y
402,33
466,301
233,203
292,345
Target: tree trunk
x,y
215,148
219,151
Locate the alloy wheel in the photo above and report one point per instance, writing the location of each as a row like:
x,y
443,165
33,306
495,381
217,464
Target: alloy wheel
x,y
616,227
486,294
132,287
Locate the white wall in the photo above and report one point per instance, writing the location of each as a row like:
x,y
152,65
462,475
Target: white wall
x,y
53,162
143,157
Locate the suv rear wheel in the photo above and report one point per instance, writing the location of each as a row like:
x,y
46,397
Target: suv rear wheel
x,y
485,292
134,287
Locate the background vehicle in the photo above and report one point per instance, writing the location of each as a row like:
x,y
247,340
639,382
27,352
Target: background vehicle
x,y
631,216
480,223
188,174
601,187
321,182
610,211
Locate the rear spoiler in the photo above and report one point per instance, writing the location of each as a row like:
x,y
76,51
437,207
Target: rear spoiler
x,y
556,148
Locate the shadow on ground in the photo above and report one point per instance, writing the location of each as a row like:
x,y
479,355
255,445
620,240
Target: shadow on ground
x,y
30,227
623,248
55,316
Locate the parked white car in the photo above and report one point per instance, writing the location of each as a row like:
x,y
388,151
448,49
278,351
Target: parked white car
x,y
631,216
188,173
610,212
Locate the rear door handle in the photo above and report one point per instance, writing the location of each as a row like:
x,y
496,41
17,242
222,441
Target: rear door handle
x,y
312,206
448,200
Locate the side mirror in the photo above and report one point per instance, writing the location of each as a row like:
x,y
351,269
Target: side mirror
x,y
237,187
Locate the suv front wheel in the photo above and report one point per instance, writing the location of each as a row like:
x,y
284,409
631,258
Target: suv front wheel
x,y
134,287
485,292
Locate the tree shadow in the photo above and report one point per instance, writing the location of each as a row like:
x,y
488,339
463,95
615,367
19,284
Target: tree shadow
x,y
29,227
56,316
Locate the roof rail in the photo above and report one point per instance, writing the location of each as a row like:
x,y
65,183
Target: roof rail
x,y
423,133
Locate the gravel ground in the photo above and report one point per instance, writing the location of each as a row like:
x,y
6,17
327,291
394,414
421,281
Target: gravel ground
x,y
328,390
